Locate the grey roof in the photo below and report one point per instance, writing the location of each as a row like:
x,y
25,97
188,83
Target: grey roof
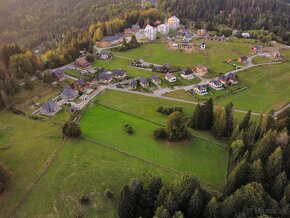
x,y
112,38
81,82
200,87
68,93
155,78
135,28
105,53
166,66
187,72
133,83
143,80
50,106
215,81
58,72
73,109
104,76
119,72
169,75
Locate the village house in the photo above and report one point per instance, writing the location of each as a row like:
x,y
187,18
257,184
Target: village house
x,y
73,109
133,85
150,32
155,79
200,89
111,40
216,38
58,75
275,55
224,79
144,82
49,108
173,22
135,28
80,84
187,37
215,84
187,74
104,55
243,60
105,78
246,35
119,74
166,67
82,63
201,32
163,28
69,94
257,49
202,46
200,69
170,77
233,78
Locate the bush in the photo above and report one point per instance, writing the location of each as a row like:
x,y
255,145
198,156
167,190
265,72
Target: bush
x,y
108,194
129,129
16,111
71,129
159,133
85,200
169,110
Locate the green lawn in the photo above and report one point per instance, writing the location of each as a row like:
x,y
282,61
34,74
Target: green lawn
x,y
25,145
181,94
268,88
260,60
213,57
205,160
84,168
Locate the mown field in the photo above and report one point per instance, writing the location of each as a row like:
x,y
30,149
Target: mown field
x,y
84,168
205,160
268,88
214,56
25,146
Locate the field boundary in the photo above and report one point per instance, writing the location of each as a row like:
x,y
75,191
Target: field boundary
x,y
32,185
159,124
169,169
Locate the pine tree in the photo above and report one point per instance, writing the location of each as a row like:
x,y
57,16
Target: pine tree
x,y
212,209
246,121
264,147
219,125
161,212
126,207
237,178
229,113
279,185
170,203
257,172
208,114
196,204
274,164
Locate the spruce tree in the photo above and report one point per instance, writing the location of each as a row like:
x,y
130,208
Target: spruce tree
x,y
279,185
170,203
257,172
196,119
274,164
208,114
126,207
229,113
212,209
161,212
196,204
246,121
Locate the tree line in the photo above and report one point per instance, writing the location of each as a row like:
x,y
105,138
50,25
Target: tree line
x,y
258,183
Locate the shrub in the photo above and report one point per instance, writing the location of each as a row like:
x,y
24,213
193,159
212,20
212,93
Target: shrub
x,y
71,129
169,110
129,129
159,133
85,200
108,194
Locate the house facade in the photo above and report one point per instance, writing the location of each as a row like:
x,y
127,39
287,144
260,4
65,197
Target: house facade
x,y
200,89
201,32
187,74
49,108
174,23
202,46
200,69
170,77
163,29
150,32
104,55
216,84
144,82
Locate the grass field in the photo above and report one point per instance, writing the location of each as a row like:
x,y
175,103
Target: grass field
x,y
159,54
203,159
260,60
25,146
84,168
268,88
180,94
